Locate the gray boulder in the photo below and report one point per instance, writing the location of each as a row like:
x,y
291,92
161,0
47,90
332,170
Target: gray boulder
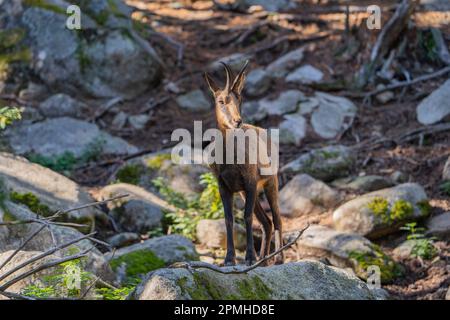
x,y
382,212
103,62
134,193
213,234
304,195
286,102
194,101
19,258
235,61
138,216
439,226
257,82
54,137
325,164
436,106
446,171
51,189
305,75
49,237
269,5
123,239
139,121
252,112
293,129
346,250
304,280
333,116
140,258
364,183
184,178
62,105
281,66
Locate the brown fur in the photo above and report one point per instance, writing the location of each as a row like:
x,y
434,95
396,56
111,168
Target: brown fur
x,y
244,178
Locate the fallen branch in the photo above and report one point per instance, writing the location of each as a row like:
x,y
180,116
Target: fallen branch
x,y
406,137
290,37
235,270
178,45
105,108
402,84
49,220
387,38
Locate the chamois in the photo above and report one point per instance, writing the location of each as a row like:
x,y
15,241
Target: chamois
x,y
245,178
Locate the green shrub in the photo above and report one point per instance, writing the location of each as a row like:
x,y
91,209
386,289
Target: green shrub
x,y
207,205
8,115
423,247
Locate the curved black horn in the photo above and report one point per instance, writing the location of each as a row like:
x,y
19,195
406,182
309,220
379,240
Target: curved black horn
x,y
244,67
228,72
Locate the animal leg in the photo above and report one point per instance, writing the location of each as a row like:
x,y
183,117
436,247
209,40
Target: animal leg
x,y
271,191
250,199
227,200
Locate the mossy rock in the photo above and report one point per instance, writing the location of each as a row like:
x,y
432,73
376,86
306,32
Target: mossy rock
x,y
382,212
326,163
181,178
293,281
139,259
138,263
389,269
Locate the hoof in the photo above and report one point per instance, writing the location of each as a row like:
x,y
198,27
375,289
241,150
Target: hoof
x,y
249,262
229,263
279,259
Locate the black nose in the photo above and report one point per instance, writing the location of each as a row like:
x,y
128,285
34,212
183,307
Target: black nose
x,y
238,123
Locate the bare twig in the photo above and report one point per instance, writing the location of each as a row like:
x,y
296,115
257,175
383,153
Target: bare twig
x,y
234,270
43,255
45,266
104,108
289,37
178,45
15,296
402,84
34,234
49,220
97,278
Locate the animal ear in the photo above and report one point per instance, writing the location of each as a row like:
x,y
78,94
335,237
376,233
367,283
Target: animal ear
x,y
239,81
211,84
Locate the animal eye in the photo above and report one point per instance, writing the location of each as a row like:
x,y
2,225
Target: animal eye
x,y
221,102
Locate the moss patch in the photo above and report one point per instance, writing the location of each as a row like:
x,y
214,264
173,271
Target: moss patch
x,y
425,207
205,288
254,289
363,260
156,162
399,211
130,174
45,5
138,263
32,202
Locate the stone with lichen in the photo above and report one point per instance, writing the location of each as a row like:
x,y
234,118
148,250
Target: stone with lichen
x,y
382,212
291,281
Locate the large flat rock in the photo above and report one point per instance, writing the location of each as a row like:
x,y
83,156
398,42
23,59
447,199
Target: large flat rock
x,y
304,280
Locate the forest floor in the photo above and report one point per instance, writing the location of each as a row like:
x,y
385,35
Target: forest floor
x,y
207,35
